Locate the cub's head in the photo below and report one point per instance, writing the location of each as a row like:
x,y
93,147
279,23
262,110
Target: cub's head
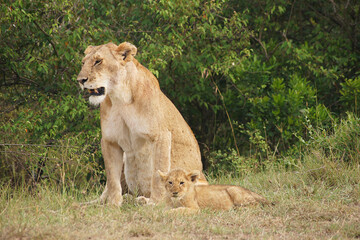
x,y
104,68
177,182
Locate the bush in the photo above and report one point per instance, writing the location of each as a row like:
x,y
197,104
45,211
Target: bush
x,y
47,141
324,152
343,145
255,76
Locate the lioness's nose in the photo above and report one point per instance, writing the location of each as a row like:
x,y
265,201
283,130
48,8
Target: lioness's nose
x,y
82,80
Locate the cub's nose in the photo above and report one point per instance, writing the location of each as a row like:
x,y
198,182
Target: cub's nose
x,y
82,80
175,194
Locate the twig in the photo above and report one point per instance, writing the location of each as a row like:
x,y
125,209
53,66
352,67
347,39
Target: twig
x,y
29,154
48,38
287,25
37,145
4,209
261,44
310,170
228,116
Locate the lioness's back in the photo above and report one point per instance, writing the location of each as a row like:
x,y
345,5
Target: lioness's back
x,y
185,152
184,147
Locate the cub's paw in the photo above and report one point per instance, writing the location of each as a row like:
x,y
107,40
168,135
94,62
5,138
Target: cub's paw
x,y
183,211
142,200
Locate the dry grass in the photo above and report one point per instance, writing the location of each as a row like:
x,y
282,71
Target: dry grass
x,y
318,199
305,208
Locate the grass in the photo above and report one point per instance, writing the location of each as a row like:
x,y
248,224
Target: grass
x,y
309,204
317,197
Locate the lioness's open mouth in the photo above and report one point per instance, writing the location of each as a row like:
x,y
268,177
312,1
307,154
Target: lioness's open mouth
x,y
97,91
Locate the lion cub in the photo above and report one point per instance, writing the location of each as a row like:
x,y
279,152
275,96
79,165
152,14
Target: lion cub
x,y
185,195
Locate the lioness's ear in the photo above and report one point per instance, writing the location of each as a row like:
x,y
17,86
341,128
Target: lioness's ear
x,y
88,49
194,175
127,51
162,175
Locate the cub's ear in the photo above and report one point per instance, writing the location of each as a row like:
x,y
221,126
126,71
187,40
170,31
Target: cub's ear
x,y
127,51
163,176
194,175
88,49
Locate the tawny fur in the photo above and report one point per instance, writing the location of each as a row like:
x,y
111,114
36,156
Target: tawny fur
x,y
142,131
185,195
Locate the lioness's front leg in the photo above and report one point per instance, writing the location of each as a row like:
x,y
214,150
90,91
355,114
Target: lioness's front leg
x,y
161,161
113,159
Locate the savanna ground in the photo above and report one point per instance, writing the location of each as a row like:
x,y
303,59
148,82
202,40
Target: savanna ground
x,y
319,201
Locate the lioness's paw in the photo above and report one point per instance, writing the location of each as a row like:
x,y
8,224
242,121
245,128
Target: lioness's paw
x,y
115,200
93,202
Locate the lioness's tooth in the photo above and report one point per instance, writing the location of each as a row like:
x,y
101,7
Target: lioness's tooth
x,y
89,90
96,90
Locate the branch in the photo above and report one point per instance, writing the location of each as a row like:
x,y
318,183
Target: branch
x,y
228,116
25,78
48,37
287,25
261,44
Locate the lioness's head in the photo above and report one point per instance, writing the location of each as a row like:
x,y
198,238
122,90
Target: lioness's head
x,y
177,182
104,69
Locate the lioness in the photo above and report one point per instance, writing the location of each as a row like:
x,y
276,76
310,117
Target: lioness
x,y
185,196
142,130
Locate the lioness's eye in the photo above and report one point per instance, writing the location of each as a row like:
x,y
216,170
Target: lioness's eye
x,y
170,183
97,62
181,183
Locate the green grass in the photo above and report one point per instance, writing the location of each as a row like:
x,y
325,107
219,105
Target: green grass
x,y
310,203
315,196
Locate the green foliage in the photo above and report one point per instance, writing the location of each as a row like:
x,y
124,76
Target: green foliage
x,y
259,77
71,164
344,144
197,51
282,110
221,163
49,120
350,94
320,157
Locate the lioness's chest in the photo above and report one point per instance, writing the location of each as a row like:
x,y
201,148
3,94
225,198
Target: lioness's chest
x,y
114,129
126,131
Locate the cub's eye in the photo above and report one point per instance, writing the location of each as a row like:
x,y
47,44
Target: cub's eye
x,y
97,62
181,183
170,183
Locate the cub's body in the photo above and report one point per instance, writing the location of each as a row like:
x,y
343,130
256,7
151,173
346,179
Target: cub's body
x,y
184,194
224,197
